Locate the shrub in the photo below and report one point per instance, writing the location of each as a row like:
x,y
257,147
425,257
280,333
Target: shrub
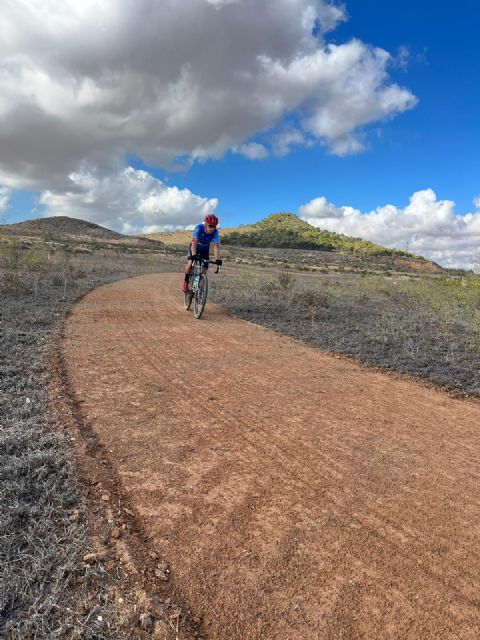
x,y
312,299
12,283
37,257
285,279
271,289
10,253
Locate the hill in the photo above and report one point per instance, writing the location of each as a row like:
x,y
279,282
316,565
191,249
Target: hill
x,y
182,237
328,250
63,229
286,230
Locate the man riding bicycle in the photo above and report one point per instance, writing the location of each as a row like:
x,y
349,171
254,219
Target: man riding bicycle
x,y
203,235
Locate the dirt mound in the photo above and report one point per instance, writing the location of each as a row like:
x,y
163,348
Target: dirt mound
x,y
292,494
418,265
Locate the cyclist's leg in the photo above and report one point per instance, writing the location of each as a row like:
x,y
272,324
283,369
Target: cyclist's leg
x,y
188,270
204,255
188,267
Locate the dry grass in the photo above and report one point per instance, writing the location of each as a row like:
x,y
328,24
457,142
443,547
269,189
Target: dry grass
x,y
428,327
46,591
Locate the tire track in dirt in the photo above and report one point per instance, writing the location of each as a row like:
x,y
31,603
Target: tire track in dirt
x,y
306,496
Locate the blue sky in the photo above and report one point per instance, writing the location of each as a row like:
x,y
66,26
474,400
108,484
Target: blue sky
x,y
435,145
140,120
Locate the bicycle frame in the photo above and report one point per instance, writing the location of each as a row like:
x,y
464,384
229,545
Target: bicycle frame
x,y
198,289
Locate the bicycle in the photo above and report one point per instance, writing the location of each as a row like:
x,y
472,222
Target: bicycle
x,y
198,286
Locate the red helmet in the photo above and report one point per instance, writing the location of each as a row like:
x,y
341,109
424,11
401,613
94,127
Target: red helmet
x,y
211,220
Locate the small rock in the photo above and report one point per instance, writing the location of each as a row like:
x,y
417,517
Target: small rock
x,y
80,608
105,497
146,621
161,575
159,609
162,571
175,613
90,557
116,533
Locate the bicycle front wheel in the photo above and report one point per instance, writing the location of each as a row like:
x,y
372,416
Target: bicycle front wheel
x,y
200,298
187,299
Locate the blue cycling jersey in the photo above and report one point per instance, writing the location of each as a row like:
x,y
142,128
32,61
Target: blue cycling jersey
x,y
203,238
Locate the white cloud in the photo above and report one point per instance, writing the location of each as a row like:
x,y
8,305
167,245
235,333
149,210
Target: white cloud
x,y
347,145
402,58
252,150
129,201
85,83
476,202
284,140
426,226
4,198
221,3
345,87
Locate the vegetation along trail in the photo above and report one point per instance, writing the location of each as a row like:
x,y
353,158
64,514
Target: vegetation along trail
x,y
294,494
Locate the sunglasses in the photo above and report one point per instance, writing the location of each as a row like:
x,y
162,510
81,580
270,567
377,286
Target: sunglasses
x,y
212,226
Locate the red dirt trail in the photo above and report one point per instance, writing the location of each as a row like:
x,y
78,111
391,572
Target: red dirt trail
x,y
294,494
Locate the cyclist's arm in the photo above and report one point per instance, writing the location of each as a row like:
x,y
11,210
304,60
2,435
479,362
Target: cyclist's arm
x,y
216,244
193,247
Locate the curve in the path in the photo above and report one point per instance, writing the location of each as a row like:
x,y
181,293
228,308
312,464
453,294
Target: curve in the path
x,y
295,494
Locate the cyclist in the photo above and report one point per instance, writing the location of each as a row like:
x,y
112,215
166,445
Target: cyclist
x,y
203,235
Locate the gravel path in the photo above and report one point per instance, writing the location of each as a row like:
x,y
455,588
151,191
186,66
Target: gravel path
x,y
294,494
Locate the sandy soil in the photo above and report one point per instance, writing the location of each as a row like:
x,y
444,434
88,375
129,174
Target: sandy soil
x,y
294,494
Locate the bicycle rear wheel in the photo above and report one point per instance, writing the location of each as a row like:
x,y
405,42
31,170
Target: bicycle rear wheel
x,y
200,298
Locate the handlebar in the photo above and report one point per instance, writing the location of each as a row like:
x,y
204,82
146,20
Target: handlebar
x,y
196,258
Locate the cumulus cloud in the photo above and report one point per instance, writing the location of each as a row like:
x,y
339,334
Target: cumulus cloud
x,y
286,139
426,226
86,83
130,201
252,151
4,198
